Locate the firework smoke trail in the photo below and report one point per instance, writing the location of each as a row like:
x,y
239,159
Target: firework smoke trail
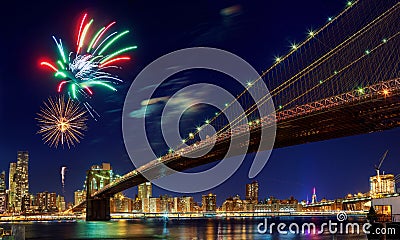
x,y
89,66
63,169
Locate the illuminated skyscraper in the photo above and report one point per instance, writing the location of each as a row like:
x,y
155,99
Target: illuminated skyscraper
x,y
47,202
144,194
252,192
144,190
21,178
60,203
3,195
12,185
381,185
209,202
314,197
79,196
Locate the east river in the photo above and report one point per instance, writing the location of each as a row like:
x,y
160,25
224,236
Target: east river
x,y
226,228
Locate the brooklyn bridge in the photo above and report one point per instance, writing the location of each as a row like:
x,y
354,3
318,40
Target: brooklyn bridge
x,y
341,80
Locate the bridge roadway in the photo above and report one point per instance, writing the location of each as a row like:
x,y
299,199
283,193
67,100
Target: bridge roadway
x,y
374,108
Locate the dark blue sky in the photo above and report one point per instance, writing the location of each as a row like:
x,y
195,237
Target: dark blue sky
x,y
261,30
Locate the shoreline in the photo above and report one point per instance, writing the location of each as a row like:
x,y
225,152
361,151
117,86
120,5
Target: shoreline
x,y
177,216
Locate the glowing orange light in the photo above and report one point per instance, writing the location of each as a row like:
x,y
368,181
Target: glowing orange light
x,y
385,92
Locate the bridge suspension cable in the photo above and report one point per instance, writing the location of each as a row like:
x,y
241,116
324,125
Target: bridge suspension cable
x,y
315,64
312,34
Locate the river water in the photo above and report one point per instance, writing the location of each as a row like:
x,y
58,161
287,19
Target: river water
x,y
172,229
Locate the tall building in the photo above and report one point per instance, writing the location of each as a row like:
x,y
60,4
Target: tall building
x,y
145,205
46,202
185,204
3,194
79,196
233,204
26,203
119,203
209,202
381,185
252,192
60,203
12,175
273,204
314,197
21,178
144,194
167,204
144,190
155,205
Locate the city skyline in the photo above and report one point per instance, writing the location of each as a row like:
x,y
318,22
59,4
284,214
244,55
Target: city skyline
x,y
303,166
144,191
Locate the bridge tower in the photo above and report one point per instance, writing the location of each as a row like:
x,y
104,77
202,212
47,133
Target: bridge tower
x,y
98,208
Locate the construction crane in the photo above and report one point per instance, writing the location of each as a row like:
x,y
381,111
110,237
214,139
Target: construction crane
x,y
378,168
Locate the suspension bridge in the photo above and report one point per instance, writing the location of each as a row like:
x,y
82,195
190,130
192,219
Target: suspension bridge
x,y
341,80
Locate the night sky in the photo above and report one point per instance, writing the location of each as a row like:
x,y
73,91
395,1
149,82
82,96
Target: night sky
x,y
257,32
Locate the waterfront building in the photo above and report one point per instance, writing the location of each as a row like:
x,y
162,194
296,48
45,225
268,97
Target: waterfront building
x,y
168,204
145,205
137,205
26,203
121,204
79,196
387,209
381,185
273,204
3,193
351,202
145,192
185,204
154,205
12,186
209,202
233,204
46,202
21,179
60,203
252,192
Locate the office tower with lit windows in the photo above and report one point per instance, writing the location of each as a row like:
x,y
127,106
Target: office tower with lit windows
x,y
144,190
26,203
209,202
79,196
144,195
46,202
60,203
18,181
12,174
21,179
252,192
381,185
3,194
